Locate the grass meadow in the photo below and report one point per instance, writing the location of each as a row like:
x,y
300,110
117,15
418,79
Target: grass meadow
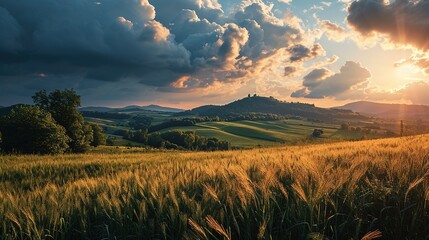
x,y
346,190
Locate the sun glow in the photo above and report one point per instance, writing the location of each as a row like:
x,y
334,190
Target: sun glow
x,y
407,71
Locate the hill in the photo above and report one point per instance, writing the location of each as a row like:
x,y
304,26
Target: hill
x,y
131,108
327,191
269,105
6,110
389,111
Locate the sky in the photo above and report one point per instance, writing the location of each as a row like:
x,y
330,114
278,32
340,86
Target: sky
x,y
187,53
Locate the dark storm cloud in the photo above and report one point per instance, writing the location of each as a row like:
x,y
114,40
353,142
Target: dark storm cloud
x,y
403,21
9,30
106,40
321,83
170,45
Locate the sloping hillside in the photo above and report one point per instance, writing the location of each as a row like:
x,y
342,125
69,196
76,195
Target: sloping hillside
x,y
269,105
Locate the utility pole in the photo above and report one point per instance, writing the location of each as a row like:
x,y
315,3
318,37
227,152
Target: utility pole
x,y
402,128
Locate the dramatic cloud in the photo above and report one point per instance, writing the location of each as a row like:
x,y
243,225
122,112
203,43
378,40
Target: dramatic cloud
x,y
174,46
166,12
84,39
301,53
421,61
333,31
402,21
322,83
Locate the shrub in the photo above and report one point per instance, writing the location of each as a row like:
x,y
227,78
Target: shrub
x,y
30,129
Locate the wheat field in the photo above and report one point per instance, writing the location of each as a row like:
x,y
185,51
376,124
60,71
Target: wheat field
x,y
348,190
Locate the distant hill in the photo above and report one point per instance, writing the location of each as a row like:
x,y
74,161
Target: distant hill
x,y
6,110
131,108
389,111
270,105
158,108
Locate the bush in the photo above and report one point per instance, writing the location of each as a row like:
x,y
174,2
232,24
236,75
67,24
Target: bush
x,y
98,137
30,129
317,132
139,136
140,122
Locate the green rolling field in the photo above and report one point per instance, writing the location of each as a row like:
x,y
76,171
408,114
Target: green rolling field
x,y
265,133
249,134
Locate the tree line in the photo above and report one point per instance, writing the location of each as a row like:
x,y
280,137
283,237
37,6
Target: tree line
x,y
52,125
176,140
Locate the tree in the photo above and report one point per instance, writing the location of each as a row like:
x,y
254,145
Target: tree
x,y
140,122
155,140
344,126
30,129
98,137
140,136
317,132
63,105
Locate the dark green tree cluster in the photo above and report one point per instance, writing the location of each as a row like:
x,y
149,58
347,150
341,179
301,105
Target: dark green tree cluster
x,y
178,140
63,106
53,125
317,132
140,122
140,136
252,116
30,129
98,137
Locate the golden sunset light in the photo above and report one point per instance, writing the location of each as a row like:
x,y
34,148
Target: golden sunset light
x,y
214,119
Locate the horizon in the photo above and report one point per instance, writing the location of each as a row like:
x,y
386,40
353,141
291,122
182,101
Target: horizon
x,y
147,104
221,104
188,53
